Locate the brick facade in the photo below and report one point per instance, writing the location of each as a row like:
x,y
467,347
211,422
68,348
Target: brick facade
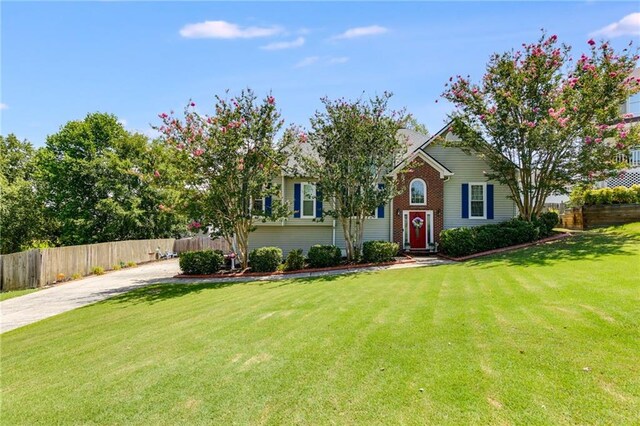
x,y
435,198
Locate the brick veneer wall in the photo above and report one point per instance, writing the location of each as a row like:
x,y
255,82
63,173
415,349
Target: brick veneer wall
x,y
435,198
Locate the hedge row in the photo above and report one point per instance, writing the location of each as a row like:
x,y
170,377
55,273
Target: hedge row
x,y
459,242
616,195
269,259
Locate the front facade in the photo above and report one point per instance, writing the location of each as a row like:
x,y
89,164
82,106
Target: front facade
x,y
442,188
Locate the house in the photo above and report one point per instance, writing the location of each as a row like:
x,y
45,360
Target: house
x,y
631,175
444,188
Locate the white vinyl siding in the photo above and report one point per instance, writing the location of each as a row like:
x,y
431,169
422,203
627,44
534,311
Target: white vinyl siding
x,y
466,169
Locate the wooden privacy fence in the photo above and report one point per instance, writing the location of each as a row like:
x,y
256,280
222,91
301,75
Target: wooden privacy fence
x,y
200,243
40,267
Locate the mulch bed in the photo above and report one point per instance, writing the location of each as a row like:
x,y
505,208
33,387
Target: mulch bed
x,y
300,271
505,249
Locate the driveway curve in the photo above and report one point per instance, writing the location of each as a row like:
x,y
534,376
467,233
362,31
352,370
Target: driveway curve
x,y
27,309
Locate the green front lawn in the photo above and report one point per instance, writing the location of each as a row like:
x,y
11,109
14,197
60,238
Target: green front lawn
x,y
15,293
545,335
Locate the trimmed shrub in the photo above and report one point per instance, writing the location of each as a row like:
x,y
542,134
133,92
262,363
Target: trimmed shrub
x,y
457,241
265,259
76,276
617,195
379,251
131,264
546,222
200,262
295,260
60,277
324,256
460,242
116,267
97,270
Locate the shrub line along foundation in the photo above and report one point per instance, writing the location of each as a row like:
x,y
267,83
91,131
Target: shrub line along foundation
x,y
299,271
505,249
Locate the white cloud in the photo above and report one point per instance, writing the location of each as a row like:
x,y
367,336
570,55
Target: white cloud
x,y
279,45
361,32
338,60
309,60
226,30
627,26
4,106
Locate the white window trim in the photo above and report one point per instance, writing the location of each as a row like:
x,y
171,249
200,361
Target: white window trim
x,y
315,194
484,200
424,184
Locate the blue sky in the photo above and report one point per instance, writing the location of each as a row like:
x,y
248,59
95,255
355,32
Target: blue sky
x,y
60,61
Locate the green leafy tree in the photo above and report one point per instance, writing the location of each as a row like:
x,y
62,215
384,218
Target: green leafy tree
x,y
22,220
544,121
103,183
353,147
228,160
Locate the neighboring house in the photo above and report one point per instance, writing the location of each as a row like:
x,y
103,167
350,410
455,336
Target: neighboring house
x,y
445,188
631,175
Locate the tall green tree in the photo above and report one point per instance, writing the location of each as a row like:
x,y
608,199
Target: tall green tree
x,y
543,120
228,160
22,220
102,183
354,145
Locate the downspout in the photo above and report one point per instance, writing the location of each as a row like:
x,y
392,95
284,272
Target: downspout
x,y
392,217
333,238
282,197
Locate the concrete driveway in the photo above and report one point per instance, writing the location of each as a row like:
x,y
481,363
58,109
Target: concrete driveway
x,y
42,304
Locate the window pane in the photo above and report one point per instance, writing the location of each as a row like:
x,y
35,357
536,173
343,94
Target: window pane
x,y
634,104
308,192
307,208
476,192
257,205
477,208
417,192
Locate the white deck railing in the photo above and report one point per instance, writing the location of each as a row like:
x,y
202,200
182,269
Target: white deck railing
x,y
633,160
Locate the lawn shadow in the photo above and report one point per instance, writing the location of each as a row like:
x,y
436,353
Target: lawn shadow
x,y
595,244
158,290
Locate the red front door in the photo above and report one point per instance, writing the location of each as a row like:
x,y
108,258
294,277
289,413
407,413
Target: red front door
x,y
418,230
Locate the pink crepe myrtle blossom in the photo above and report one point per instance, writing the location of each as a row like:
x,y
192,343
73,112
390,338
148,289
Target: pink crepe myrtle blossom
x,y
598,140
156,173
591,42
623,134
271,100
588,140
198,152
620,145
628,115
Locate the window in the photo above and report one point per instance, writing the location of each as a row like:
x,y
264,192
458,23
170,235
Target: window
x,y
258,205
477,205
633,105
418,192
308,200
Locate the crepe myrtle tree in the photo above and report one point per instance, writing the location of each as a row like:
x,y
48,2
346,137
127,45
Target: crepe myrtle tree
x,y
353,147
228,162
543,120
